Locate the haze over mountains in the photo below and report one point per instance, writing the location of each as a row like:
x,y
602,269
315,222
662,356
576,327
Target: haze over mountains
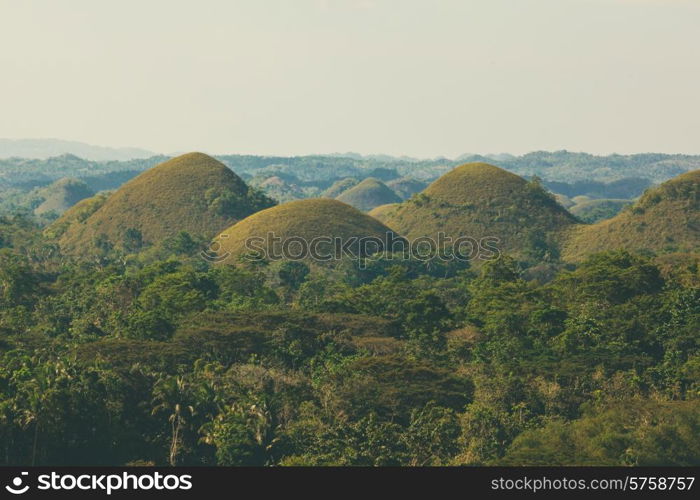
x,y
46,148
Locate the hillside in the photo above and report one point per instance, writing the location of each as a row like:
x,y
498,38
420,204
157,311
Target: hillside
x,y
405,187
76,215
339,187
305,219
383,211
591,211
193,193
368,194
665,219
281,188
61,195
480,200
564,200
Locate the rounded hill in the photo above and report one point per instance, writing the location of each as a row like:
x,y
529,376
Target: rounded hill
x,y
406,187
61,195
368,194
193,193
479,200
475,182
305,220
666,219
339,186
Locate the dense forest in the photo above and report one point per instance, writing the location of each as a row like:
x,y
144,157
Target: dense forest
x,y
164,358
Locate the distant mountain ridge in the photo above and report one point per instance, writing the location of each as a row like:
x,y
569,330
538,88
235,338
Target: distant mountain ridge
x,y
47,148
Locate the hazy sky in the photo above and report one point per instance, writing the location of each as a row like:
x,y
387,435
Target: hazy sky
x,y
421,78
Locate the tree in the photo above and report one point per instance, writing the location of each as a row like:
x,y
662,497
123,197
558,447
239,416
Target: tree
x,y
17,280
432,435
293,273
241,433
133,240
172,395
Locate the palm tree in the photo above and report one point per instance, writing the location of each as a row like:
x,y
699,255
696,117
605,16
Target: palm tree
x,y
37,393
171,395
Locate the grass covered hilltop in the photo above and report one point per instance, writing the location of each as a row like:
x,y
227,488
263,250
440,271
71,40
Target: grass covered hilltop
x,y
305,219
665,219
368,194
480,200
121,344
193,193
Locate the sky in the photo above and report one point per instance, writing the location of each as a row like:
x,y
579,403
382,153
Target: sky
x,y
421,78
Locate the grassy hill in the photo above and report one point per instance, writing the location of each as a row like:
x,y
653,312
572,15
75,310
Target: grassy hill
x,y
406,187
76,215
596,210
339,187
306,219
279,188
480,200
665,219
193,193
368,194
61,195
564,200
383,211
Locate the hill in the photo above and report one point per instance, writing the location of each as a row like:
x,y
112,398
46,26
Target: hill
x,y
479,200
383,211
665,219
280,188
564,200
591,211
405,187
61,195
76,215
339,187
193,193
301,219
368,194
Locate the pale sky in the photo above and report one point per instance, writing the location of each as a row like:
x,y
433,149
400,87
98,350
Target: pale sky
x,y
406,77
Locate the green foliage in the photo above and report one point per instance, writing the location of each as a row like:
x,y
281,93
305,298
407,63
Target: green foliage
x,y
18,282
593,211
159,357
293,273
613,277
133,240
635,433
